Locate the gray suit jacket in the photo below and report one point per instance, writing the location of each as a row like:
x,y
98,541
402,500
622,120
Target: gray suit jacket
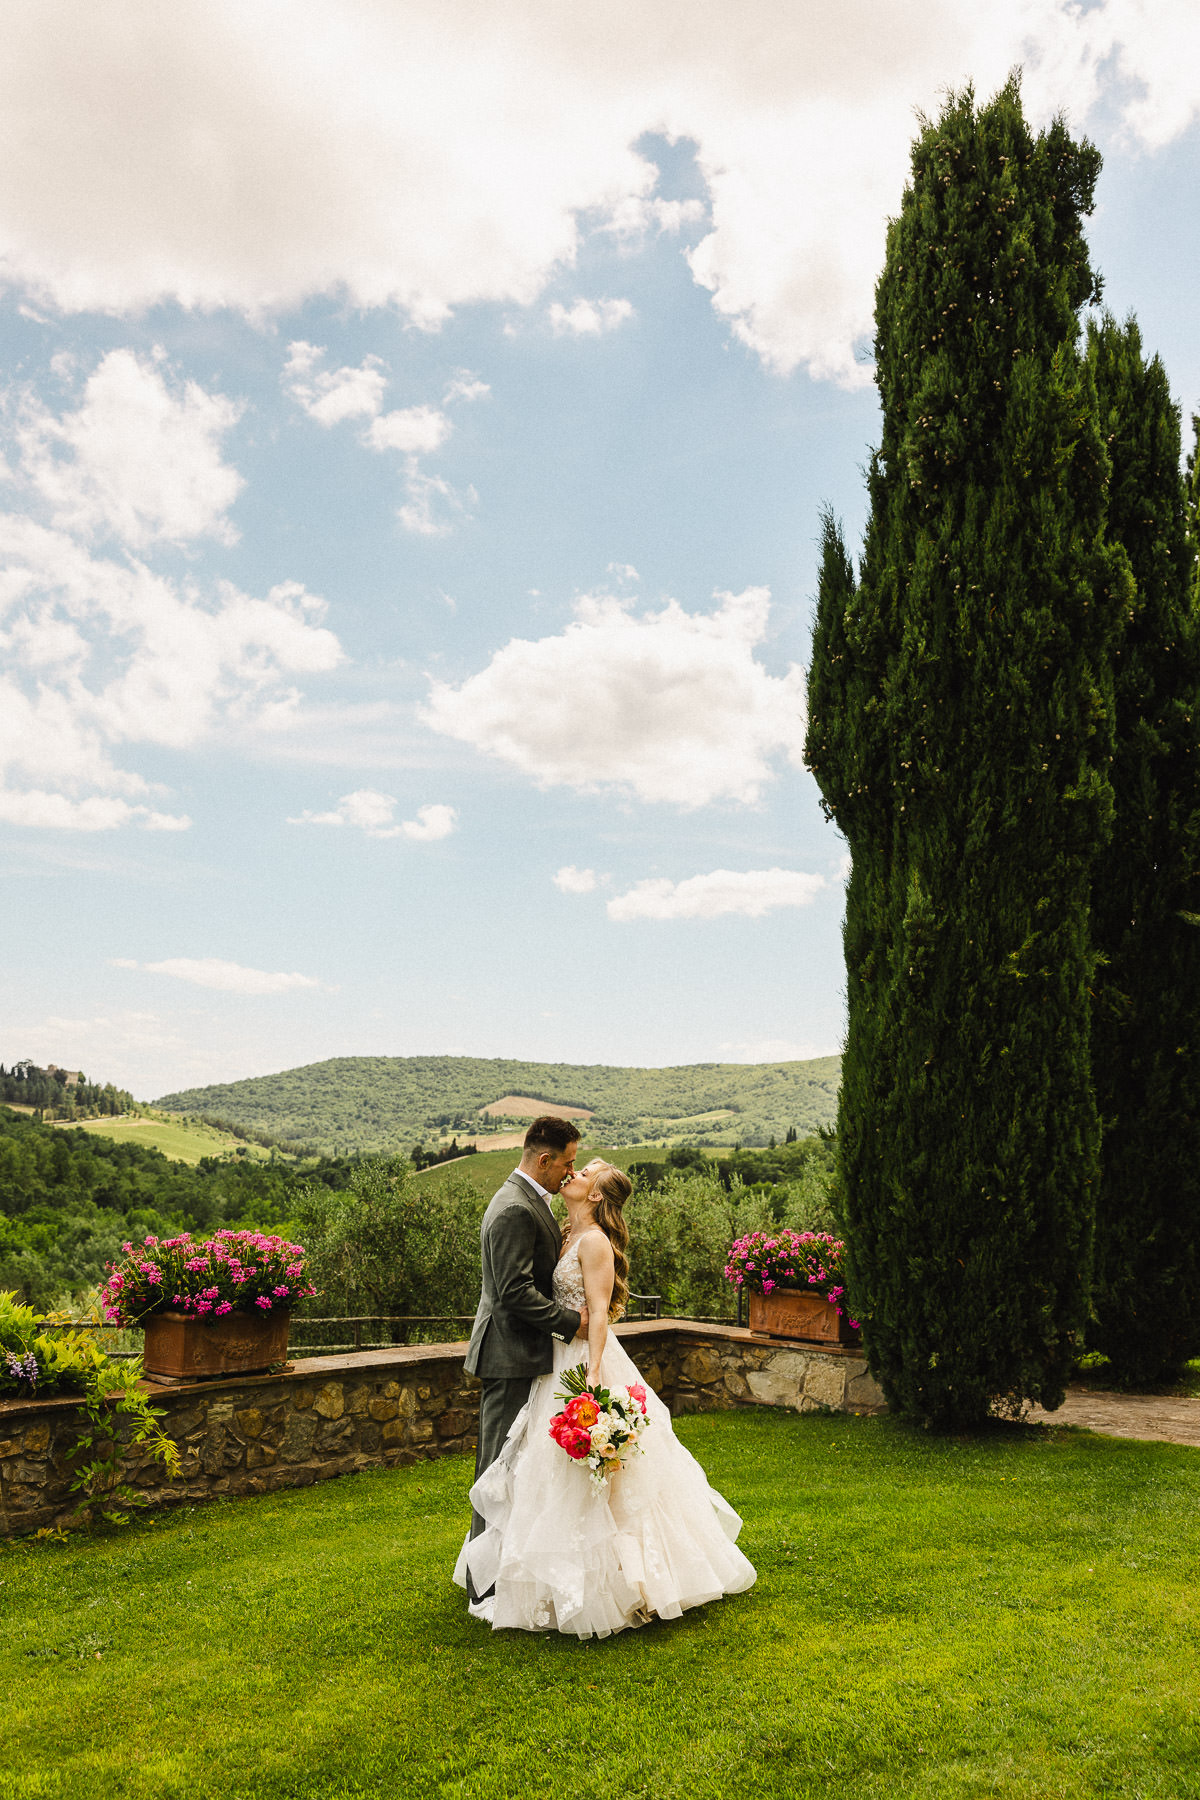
x,y
517,1314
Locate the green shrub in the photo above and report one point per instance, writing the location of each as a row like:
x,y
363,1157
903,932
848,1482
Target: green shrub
x,y
390,1244
116,1414
679,1238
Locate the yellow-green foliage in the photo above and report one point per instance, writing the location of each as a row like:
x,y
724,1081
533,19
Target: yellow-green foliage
x,y
115,1415
66,1360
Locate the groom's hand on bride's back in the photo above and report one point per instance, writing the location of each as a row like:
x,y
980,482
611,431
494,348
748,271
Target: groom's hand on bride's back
x,y
583,1324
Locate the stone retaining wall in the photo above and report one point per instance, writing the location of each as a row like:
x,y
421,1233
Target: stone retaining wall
x,y
334,1415
704,1368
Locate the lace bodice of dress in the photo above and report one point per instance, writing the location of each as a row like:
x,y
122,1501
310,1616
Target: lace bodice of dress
x,y
568,1280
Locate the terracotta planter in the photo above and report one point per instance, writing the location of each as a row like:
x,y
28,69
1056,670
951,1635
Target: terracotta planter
x,y
180,1347
799,1314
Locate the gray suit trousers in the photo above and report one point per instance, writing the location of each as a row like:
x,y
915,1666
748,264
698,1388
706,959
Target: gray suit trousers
x,y
499,1403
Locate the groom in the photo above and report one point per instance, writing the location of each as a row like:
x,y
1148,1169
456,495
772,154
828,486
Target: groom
x,y
518,1314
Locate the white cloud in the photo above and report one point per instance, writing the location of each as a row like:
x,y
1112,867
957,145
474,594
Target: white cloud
x,y
430,824
752,892
163,662
571,880
122,1045
1155,46
416,430
139,459
101,654
370,810
801,117
463,385
331,396
588,318
669,706
374,813
36,809
433,505
224,977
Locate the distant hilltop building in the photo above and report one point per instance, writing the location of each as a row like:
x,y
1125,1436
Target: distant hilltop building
x,y
72,1077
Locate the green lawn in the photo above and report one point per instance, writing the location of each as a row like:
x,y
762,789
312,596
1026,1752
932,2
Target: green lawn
x,y
1010,1616
487,1169
1096,1371
180,1141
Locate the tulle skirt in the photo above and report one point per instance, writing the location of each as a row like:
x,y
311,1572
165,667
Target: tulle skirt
x,y
566,1555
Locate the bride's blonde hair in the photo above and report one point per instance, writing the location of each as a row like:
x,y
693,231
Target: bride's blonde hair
x,y
612,1190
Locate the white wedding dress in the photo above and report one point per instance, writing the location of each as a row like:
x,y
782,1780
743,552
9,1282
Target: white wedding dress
x,y
566,1555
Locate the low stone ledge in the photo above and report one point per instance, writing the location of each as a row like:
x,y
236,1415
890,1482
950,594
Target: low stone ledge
x,y
704,1368
323,1416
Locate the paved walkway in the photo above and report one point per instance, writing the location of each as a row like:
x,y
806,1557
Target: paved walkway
x,y
1158,1416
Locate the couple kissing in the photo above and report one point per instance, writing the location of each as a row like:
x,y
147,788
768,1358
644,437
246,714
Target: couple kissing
x,y
551,1547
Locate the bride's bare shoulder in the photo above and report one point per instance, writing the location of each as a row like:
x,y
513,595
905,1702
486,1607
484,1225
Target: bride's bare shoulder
x,y
595,1248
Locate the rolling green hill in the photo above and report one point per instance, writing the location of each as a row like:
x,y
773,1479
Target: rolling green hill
x,y
182,1140
390,1103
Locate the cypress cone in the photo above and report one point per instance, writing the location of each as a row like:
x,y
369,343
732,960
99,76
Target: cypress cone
x,y
961,733
1146,1033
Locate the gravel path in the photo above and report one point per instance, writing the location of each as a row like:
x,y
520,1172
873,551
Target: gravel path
x,y
1127,1415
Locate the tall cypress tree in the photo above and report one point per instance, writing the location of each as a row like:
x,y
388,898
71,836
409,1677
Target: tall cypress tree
x,y
1146,1034
961,732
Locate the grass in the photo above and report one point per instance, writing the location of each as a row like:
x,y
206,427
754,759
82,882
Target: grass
x,y
181,1141
934,1619
1095,1371
488,1168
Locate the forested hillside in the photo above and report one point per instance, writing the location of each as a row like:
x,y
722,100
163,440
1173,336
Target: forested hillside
x,y
69,1199
360,1103
61,1093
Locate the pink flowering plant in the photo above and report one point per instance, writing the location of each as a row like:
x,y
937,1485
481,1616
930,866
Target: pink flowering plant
x,y
765,1260
232,1271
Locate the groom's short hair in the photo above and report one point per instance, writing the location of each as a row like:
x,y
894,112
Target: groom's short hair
x,y
549,1133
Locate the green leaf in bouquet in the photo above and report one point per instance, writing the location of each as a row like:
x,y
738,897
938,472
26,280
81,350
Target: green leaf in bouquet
x,y
573,1382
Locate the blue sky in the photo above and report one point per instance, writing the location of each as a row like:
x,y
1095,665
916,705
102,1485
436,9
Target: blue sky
x,y
415,424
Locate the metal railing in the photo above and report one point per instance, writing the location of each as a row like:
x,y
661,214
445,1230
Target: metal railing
x,y
356,1321
641,1307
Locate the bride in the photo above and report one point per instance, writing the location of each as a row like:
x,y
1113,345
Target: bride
x,y
562,1553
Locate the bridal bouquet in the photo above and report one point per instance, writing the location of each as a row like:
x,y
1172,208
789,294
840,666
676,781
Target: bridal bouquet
x,y
599,1426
